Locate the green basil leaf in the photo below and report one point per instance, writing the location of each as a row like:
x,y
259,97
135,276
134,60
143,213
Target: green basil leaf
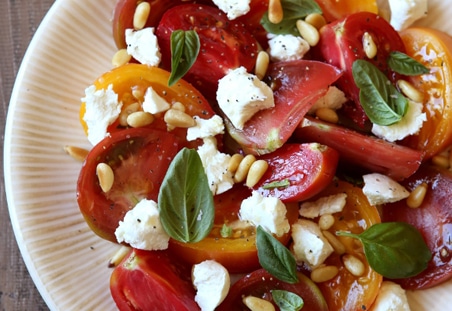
x,y
381,101
226,231
405,65
293,10
185,200
287,301
275,257
185,47
277,184
394,249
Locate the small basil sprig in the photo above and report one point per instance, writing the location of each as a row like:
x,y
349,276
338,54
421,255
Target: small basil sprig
x,y
381,101
287,301
293,10
275,257
405,65
185,47
277,184
394,249
185,200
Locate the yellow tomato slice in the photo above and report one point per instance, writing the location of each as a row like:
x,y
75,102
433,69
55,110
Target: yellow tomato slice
x,y
336,9
432,48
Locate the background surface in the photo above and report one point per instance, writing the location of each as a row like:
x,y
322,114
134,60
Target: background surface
x,y
19,20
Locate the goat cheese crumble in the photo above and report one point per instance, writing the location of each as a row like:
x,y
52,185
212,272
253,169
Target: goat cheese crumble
x,y
233,8
143,46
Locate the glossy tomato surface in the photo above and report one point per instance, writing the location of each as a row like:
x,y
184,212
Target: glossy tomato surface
x,y
152,281
433,219
304,169
260,284
139,158
225,44
433,49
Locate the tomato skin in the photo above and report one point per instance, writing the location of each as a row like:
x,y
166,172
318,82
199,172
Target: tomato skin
x,y
145,152
152,280
433,219
237,253
259,283
341,44
425,45
309,168
225,44
337,9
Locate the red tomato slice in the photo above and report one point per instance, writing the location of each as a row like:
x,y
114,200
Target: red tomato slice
x,y
308,168
260,284
433,219
341,43
252,21
296,86
362,151
152,281
225,44
139,158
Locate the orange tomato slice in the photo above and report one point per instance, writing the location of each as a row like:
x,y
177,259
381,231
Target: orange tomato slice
x,y
336,9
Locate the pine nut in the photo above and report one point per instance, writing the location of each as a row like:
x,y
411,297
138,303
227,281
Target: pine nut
x,y
141,15
369,46
326,221
440,161
275,11
255,173
243,168
417,196
353,264
138,94
178,106
120,254
327,114
177,118
262,61
120,58
258,304
125,113
105,175
139,119
337,245
76,153
316,20
234,162
308,32
410,91
324,273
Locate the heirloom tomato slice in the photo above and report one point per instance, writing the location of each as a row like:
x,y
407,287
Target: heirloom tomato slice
x,y
433,49
152,280
139,158
237,251
337,9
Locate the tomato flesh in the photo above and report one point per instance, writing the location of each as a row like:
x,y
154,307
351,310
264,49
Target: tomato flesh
x,y
337,9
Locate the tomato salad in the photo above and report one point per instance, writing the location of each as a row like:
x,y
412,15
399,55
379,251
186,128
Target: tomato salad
x,y
288,154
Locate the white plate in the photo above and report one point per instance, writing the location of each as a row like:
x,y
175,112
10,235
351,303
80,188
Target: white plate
x,y
68,263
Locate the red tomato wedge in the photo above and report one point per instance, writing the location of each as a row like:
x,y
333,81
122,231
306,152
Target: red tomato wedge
x,y
152,281
296,86
139,158
306,169
358,150
433,219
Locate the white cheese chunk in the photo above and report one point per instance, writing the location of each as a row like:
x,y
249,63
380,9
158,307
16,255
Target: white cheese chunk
x,y
142,229
334,98
410,124
143,46
268,212
309,244
391,297
153,102
324,205
405,12
212,283
287,47
240,95
233,8
102,109
205,128
215,165
381,189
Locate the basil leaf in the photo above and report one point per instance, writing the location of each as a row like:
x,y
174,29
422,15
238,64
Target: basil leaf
x,y
287,301
275,257
404,64
293,10
394,249
226,231
185,47
185,200
277,184
381,101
